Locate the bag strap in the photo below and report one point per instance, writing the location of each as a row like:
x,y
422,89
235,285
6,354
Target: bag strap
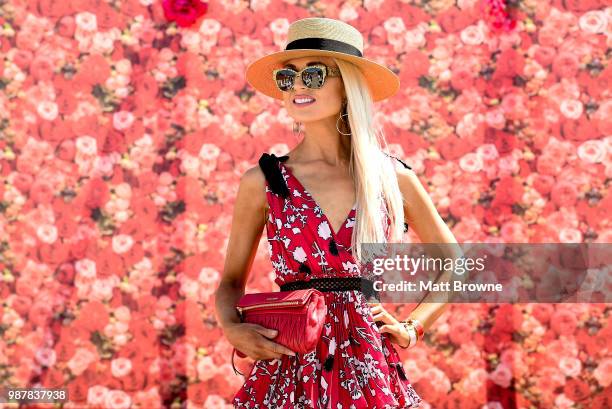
x,y
234,366
269,164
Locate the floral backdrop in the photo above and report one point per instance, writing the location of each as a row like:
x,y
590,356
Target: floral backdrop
x,y
126,125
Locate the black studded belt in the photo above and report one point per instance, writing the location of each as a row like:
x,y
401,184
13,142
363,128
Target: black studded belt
x,y
362,284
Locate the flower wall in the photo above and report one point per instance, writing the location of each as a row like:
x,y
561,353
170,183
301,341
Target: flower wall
x,y
125,130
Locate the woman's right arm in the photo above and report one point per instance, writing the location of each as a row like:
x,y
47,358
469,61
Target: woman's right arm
x,y
248,221
246,231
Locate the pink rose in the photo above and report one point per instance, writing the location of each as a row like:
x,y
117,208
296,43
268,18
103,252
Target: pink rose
x,y
603,372
563,322
542,312
549,379
81,360
184,12
460,331
544,55
570,366
502,375
564,193
566,65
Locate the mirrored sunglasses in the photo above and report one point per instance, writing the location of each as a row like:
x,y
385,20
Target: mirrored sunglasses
x,y
313,77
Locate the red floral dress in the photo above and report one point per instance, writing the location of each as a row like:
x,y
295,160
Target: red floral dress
x,y
354,366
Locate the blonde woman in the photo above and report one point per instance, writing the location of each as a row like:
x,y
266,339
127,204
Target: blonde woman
x,y
334,190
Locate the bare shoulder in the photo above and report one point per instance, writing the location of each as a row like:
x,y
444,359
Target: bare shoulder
x,y
253,181
253,188
416,198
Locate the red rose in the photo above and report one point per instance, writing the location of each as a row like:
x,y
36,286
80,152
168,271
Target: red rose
x,y
184,12
415,64
146,304
563,323
510,62
506,319
601,401
94,316
77,389
95,70
66,26
21,304
544,55
41,192
543,183
582,5
461,205
497,213
109,263
507,191
452,147
23,182
64,349
599,83
114,142
453,20
66,150
54,253
580,129
564,193
576,390
134,381
460,332
462,78
65,273
412,15
53,378
566,65
96,193
542,312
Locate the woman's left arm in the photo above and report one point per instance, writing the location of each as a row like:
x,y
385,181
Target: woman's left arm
x,y
421,215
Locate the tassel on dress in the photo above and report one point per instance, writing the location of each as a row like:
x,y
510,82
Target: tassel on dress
x,y
304,268
333,248
400,371
329,363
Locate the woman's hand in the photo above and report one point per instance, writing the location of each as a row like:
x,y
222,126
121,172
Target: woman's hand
x,y
390,325
254,341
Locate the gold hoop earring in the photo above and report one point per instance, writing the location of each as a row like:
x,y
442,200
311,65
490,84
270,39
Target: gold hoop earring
x,y
344,105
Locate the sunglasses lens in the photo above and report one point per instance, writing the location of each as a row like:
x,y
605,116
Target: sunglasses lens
x,y
285,79
313,77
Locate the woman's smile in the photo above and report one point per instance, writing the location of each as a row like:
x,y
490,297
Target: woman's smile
x,y
303,100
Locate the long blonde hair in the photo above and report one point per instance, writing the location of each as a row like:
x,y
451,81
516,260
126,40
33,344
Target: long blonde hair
x,y
378,193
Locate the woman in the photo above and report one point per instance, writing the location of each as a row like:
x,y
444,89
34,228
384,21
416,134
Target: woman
x,y
317,203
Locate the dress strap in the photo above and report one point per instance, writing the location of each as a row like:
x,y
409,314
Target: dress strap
x,y
269,164
407,167
400,161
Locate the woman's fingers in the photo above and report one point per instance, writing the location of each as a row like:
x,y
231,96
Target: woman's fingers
x,y
277,349
376,308
389,328
383,317
395,334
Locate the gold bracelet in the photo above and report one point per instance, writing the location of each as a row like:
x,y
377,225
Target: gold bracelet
x,y
411,332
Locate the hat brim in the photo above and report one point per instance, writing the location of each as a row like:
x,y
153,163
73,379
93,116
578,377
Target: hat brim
x,y
383,82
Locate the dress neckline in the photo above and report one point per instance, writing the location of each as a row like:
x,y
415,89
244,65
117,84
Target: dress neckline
x,y
305,191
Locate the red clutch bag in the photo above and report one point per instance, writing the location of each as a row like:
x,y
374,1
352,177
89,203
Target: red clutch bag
x,y
297,315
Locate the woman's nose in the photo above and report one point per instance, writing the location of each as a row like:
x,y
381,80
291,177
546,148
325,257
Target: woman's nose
x,y
299,83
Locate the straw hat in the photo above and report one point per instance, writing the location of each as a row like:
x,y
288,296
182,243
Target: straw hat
x,y
326,37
